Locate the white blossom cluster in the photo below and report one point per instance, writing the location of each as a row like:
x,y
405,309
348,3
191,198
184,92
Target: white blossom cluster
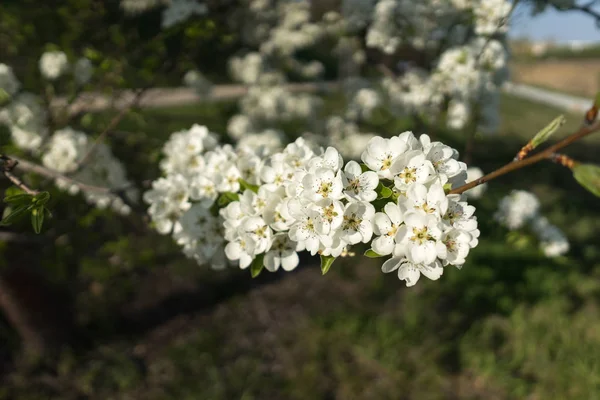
x,y
424,24
9,84
521,209
66,149
26,117
24,113
307,198
55,64
267,102
467,76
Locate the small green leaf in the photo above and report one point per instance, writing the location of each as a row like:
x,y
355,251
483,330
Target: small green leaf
x,y
14,215
588,176
326,262
249,186
385,192
41,199
19,199
548,131
226,198
363,167
87,120
447,188
37,218
371,254
257,265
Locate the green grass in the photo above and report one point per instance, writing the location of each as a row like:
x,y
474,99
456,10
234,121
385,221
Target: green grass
x,y
511,324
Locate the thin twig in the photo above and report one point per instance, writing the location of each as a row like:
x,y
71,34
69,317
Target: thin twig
x,y
19,183
543,155
49,173
7,166
112,124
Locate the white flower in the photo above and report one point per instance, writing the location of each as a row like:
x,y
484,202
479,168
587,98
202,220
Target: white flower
x,y
417,238
385,225
323,183
233,215
459,214
411,167
242,248
83,71
204,190
411,272
331,159
255,203
53,64
430,200
229,180
359,185
303,230
257,229
278,172
277,215
381,153
443,159
330,215
358,223
282,253
454,247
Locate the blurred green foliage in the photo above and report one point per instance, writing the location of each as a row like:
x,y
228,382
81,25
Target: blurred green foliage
x,y
130,50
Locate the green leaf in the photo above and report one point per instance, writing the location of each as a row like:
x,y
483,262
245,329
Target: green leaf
x,y
14,215
249,186
384,192
226,198
548,131
257,265
588,176
447,188
363,167
37,218
41,199
371,254
326,262
19,199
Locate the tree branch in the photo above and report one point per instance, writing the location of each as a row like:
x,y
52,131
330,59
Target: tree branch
x,y
111,125
28,166
543,155
8,165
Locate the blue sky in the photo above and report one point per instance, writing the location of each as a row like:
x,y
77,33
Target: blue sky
x,y
556,25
